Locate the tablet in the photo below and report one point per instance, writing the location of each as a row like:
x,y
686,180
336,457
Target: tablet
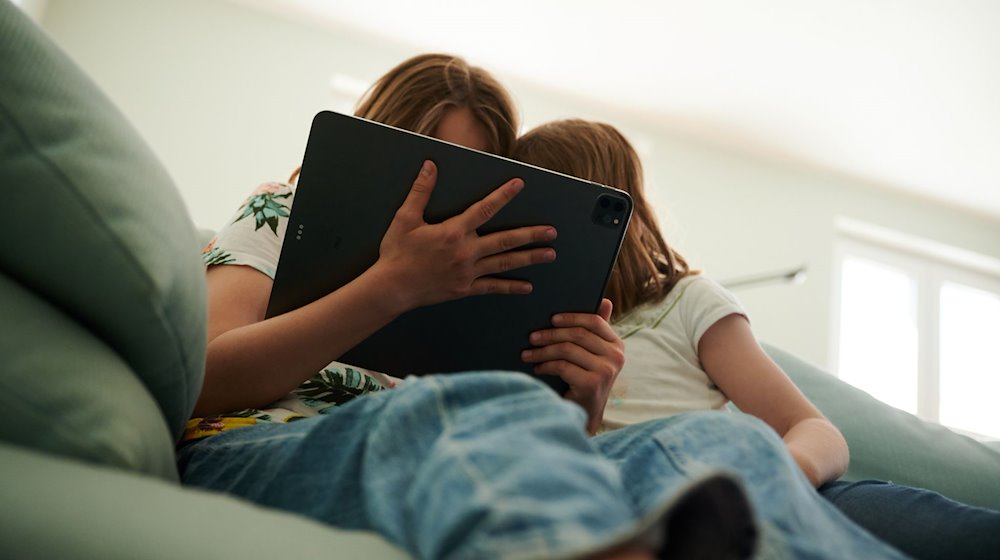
x,y
356,174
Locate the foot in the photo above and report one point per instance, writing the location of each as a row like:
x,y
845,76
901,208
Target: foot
x,y
713,520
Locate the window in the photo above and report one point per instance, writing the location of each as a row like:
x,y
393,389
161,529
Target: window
x,y
918,326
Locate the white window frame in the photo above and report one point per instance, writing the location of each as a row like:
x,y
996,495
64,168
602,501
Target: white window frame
x,y
930,264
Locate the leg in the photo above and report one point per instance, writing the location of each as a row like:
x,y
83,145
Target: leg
x,y
793,520
919,522
460,466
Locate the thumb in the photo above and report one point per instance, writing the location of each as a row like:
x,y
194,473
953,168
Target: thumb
x,y
605,309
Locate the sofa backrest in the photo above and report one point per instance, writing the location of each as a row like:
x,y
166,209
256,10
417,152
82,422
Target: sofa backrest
x,y
893,445
101,288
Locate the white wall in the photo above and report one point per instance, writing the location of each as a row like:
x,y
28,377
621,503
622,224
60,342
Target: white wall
x,y
224,95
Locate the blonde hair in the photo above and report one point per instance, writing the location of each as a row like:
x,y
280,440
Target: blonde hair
x,y
647,267
415,95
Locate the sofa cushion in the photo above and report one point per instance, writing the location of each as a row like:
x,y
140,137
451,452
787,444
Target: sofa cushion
x,y
65,391
889,444
93,225
66,509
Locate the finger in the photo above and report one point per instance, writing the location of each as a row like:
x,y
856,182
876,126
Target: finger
x,y
482,211
572,374
499,286
582,389
564,351
512,260
420,191
578,336
502,241
590,321
605,309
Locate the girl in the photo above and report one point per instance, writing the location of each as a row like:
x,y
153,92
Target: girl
x,y
467,466
689,346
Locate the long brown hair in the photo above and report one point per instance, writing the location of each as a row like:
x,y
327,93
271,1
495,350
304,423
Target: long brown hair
x,y
647,267
415,95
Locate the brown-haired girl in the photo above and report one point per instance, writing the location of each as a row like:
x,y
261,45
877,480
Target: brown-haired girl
x,y
689,347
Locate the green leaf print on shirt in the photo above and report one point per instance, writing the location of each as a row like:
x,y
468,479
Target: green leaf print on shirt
x,y
216,255
266,209
336,386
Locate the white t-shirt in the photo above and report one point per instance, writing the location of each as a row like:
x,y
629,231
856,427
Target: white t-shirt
x,y
662,374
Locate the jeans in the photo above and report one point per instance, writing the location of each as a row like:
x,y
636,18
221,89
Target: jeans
x,y
921,523
654,456
495,465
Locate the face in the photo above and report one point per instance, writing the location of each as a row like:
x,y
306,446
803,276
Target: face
x,y
460,126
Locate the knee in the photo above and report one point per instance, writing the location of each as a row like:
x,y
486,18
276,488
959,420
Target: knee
x,y
507,398
723,420
722,426
481,386
503,392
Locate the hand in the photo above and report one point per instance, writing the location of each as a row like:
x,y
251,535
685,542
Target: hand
x,y
430,263
586,353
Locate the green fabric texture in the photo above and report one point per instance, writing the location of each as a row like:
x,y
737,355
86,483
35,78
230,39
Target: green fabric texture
x,y
889,444
64,391
60,508
93,224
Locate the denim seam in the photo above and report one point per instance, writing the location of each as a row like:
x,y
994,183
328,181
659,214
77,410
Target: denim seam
x,y
536,543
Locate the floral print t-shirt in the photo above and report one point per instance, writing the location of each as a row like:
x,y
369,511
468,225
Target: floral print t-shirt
x,y
253,238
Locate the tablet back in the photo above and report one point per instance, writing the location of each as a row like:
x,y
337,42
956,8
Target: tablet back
x,y
356,174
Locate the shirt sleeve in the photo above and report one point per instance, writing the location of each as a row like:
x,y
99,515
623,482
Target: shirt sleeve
x,y
703,304
255,234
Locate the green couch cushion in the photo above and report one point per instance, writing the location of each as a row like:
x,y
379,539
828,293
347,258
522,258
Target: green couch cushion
x,y
73,395
889,444
66,509
93,225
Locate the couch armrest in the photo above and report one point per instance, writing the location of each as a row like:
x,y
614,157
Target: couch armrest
x,y
69,509
889,444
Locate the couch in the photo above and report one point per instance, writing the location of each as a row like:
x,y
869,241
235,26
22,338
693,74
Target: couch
x,y
102,314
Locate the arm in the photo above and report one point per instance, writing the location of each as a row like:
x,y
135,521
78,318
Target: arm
x,y
252,361
733,359
586,353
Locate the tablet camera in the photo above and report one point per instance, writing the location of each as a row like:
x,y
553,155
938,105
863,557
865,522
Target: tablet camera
x,y
609,211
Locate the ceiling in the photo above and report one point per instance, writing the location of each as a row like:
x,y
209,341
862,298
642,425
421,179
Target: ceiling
x,y
899,93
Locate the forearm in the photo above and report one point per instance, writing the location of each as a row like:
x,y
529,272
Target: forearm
x,y
819,449
256,364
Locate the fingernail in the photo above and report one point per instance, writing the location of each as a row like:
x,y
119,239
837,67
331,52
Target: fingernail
x,y
549,255
426,169
518,184
551,234
557,318
526,355
535,337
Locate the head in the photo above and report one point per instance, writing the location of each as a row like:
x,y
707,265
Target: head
x,y
647,268
441,95
423,91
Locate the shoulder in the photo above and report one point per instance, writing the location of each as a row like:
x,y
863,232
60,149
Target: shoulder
x,y
704,303
700,287
254,235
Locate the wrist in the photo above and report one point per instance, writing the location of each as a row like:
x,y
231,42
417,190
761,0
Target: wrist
x,y
391,295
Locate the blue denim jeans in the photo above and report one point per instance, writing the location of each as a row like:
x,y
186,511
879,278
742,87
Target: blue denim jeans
x,y
794,522
495,465
921,523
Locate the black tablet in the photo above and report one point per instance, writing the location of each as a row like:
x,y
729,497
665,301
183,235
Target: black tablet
x,y
356,174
